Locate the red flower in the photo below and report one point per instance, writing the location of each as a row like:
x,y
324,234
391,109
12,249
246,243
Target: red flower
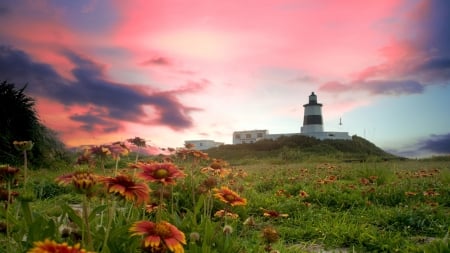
x,y
164,173
123,185
160,235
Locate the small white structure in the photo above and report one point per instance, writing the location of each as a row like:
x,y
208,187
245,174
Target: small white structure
x,y
203,144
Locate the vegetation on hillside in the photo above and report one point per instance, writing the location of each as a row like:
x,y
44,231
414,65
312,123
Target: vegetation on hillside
x,y
302,148
20,122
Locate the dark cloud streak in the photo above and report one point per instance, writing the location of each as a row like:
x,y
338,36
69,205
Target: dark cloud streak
x,y
116,101
160,61
437,143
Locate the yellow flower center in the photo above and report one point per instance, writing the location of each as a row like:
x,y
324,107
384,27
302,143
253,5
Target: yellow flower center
x,y
230,197
162,230
161,173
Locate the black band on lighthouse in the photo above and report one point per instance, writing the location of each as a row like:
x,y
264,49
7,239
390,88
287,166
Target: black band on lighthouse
x,y
312,120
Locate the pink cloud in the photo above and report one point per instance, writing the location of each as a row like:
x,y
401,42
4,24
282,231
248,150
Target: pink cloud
x,y
317,36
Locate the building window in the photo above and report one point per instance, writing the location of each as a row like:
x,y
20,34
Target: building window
x,y
248,136
238,136
200,144
259,135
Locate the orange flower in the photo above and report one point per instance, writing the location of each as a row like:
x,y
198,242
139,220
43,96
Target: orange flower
x,y
364,181
217,168
123,185
99,151
274,214
196,154
49,246
164,173
224,213
430,193
117,149
303,194
228,196
160,235
83,181
8,173
410,193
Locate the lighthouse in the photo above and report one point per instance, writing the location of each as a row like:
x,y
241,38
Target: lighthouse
x,y
312,119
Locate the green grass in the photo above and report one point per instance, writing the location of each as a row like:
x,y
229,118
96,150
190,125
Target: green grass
x,y
389,206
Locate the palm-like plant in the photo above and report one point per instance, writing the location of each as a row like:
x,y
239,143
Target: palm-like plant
x,y
18,122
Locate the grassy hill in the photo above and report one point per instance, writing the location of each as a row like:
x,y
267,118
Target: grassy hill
x,y
302,148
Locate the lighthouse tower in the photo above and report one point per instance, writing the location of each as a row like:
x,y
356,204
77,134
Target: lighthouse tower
x,y
312,120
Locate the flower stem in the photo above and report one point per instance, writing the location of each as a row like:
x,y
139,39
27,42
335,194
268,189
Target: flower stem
x,y
87,238
25,169
111,213
161,203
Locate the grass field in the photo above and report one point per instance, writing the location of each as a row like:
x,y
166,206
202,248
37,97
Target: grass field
x,y
395,206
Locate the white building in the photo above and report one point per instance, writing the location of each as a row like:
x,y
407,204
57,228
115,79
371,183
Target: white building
x,y
250,136
203,144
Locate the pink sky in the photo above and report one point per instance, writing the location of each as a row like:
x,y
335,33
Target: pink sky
x,y
204,69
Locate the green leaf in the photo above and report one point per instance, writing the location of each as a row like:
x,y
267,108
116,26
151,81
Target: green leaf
x,y
72,215
96,211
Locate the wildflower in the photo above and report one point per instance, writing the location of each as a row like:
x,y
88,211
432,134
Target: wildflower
x,y
223,213
82,180
196,154
23,145
4,196
137,141
8,173
364,181
282,192
274,214
123,185
100,151
117,149
270,234
159,235
194,236
227,229
49,246
210,183
303,194
410,193
330,179
430,193
164,173
85,158
228,196
153,207
250,221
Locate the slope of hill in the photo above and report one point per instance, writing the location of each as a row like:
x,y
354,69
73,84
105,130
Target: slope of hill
x,y
302,148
